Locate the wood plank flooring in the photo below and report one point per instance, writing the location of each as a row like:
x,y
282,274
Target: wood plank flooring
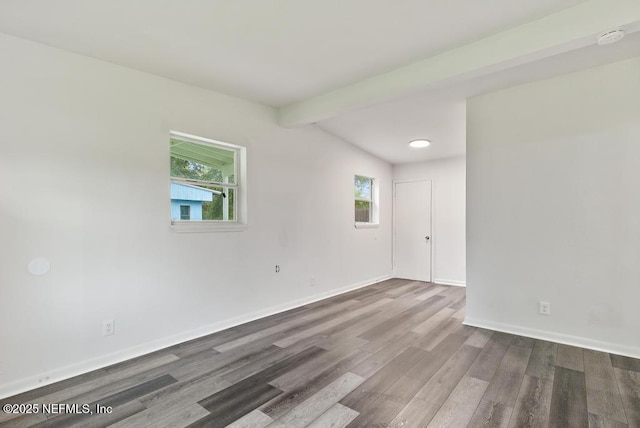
x,y
394,354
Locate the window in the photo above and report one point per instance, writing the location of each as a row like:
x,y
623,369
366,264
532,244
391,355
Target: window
x,y
205,184
185,212
365,202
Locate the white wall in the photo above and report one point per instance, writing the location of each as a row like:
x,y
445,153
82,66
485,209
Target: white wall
x,y
448,214
553,208
84,159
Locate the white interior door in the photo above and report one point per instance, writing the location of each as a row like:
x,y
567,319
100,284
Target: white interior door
x,y
412,230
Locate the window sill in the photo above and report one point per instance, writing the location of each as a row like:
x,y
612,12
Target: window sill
x,y
206,226
366,225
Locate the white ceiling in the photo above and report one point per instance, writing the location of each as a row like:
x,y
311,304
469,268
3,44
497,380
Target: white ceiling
x,y
270,51
440,115
319,60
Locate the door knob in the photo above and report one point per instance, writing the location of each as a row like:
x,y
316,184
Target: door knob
x,y
427,237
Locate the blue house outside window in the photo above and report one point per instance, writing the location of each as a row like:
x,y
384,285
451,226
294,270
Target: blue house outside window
x,y
186,201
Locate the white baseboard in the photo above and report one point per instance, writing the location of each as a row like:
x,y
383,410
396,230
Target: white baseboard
x,y
454,282
566,339
62,373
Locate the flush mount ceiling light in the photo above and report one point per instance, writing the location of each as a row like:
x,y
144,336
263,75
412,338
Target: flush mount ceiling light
x,y
610,37
419,144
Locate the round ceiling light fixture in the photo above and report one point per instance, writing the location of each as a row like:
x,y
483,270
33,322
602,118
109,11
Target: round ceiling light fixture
x,y
610,37
420,144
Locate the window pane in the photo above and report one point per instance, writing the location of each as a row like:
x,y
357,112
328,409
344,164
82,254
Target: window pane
x,y
203,202
185,212
219,205
363,187
363,211
202,162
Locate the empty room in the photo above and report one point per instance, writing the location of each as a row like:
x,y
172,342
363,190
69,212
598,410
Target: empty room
x,y
295,213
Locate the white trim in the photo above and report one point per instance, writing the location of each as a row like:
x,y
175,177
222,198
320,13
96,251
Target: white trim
x,y
374,208
56,375
453,282
566,339
240,187
204,226
196,139
363,225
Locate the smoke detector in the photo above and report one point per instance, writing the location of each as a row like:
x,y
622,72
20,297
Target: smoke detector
x,y
610,37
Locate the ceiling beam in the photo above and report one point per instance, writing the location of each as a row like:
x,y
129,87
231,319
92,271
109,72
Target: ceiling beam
x,y
561,32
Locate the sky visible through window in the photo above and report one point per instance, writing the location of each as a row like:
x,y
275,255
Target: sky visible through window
x,y
362,187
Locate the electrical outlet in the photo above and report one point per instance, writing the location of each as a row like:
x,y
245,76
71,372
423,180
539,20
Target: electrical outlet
x,y
277,268
545,308
108,327
313,281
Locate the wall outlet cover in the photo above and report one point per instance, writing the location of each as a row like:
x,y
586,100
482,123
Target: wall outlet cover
x,y
545,308
108,327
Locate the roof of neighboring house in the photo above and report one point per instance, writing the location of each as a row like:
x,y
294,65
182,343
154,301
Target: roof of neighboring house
x,y
185,192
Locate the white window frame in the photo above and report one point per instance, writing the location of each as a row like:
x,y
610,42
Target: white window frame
x,y
240,191
374,205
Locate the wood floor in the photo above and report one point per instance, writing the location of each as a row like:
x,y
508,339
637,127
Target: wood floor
x,y
394,354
